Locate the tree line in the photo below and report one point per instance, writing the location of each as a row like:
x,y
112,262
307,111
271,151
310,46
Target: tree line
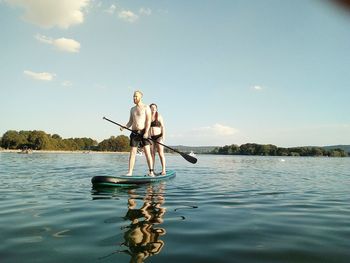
x,y
272,150
40,140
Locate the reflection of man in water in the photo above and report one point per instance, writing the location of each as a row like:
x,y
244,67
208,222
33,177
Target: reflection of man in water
x,y
142,238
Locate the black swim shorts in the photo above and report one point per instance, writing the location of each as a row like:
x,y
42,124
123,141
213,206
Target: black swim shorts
x,y
137,140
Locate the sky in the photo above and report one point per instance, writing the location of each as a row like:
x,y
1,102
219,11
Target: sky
x,y
221,72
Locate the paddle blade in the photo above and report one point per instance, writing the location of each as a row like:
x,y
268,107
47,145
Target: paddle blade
x,y
189,158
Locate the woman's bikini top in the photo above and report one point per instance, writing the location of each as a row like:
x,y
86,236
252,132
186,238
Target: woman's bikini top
x,y
156,123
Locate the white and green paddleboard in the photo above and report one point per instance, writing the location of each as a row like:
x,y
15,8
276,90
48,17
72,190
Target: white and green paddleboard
x,y
124,180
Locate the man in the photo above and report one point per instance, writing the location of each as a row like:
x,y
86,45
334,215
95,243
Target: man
x,y
140,123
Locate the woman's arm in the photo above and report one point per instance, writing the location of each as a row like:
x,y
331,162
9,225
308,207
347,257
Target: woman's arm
x,y
160,118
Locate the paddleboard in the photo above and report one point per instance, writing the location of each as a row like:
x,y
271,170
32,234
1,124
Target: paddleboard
x,y
124,180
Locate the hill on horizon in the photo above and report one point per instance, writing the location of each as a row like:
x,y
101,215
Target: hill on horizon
x,y
345,148
207,149
195,149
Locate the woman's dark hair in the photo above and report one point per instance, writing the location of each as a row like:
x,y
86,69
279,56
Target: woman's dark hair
x,y
156,115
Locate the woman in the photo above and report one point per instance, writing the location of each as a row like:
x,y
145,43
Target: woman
x,y
157,132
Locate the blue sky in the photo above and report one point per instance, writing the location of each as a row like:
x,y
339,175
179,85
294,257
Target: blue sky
x,y
221,72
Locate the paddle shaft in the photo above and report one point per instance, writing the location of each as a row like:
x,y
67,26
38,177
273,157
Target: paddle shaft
x,y
139,134
186,156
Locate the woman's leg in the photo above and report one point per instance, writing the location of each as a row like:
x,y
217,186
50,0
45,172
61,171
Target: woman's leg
x,y
148,154
160,149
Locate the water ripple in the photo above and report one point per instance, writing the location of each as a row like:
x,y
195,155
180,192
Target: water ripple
x,y
225,208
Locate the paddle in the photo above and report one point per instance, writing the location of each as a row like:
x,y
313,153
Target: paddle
x,y
187,157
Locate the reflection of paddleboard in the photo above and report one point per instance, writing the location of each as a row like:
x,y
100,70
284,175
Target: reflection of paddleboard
x,y
124,180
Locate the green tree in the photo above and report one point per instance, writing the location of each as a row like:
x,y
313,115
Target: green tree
x,y
233,149
271,149
12,140
70,145
120,143
39,140
56,137
216,150
338,153
282,151
316,151
248,149
224,150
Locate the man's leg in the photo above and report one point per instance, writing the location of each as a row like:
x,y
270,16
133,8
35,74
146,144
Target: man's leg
x,y
132,156
147,151
153,154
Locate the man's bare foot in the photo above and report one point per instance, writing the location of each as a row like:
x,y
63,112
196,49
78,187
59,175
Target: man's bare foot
x,y
151,173
163,173
129,174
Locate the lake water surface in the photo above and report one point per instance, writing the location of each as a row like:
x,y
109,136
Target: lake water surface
x,y
222,209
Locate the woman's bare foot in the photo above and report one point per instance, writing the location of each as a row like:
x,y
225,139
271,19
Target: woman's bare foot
x,y
163,173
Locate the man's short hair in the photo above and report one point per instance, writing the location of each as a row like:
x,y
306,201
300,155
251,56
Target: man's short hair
x,y
139,92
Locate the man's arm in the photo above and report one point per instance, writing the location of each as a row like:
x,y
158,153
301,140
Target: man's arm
x,y
129,122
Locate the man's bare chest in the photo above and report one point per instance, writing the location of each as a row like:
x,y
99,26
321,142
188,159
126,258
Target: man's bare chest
x,y
139,111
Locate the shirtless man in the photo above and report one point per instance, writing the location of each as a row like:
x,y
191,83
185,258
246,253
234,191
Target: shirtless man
x,y
140,123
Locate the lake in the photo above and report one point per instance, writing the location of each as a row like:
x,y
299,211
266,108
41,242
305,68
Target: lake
x,y
222,209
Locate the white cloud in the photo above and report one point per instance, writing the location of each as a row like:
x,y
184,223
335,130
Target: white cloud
x,y
99,4
111,10
50,13
40,75
145,11
216,134
66,44
257,88
128,16
44,39
217,130
67,83
62,44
